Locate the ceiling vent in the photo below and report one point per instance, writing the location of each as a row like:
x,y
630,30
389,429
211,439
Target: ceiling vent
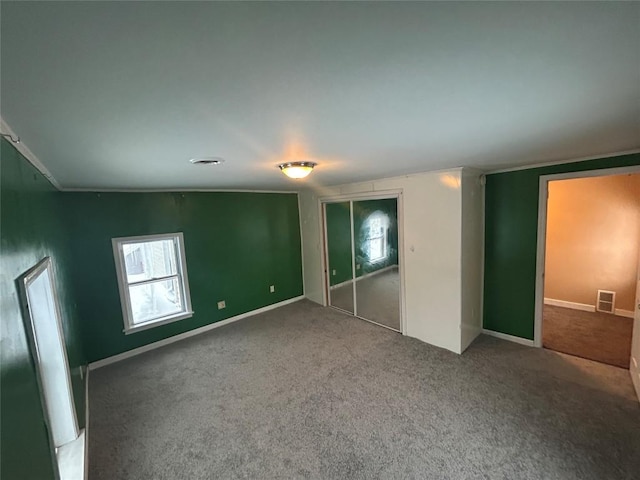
x,y
606,301
207,161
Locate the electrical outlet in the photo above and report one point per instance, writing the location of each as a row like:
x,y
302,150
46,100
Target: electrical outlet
x,y
272,288
357,266
221,305
333,272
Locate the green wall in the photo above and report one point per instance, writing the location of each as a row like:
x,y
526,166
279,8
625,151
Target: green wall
x,y
236,246
338,220
30,222
361,211
511,226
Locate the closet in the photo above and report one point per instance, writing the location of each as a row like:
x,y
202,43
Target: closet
x,y
362,258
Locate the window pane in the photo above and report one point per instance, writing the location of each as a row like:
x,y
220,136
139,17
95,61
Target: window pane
x,y
147,260
155,300
376,249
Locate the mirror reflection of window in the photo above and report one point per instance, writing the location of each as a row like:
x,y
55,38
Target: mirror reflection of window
x,y
377,226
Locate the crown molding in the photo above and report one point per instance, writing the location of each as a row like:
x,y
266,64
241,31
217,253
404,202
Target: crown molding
x,y
172,190
28,154
562,162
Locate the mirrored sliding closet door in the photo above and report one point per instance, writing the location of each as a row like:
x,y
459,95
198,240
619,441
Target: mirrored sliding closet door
x,y
362,254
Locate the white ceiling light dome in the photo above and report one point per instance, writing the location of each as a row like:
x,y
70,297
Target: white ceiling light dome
x,y
297,170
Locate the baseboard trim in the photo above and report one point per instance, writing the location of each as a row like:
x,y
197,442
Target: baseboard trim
x,y
511,338
619,312
573,305
624,313
341,284
634,371
367,275
191,333
376,272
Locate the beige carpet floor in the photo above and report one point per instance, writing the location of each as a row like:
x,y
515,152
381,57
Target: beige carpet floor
x,y
597,336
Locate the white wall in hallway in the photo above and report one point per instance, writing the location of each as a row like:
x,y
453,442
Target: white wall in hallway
x,y
432,212
472,255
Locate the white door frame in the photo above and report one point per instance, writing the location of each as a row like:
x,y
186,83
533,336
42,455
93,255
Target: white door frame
x,y
327,287
542,232
352,197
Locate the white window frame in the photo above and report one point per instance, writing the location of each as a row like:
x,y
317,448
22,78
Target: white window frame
x,y
123,284
382,236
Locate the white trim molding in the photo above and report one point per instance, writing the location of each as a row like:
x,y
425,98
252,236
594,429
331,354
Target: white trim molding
x,y
572,305
623,313
172,190
376,272
510,338
366,275
619,312
28,154
562,162
191,333
124,284
634,371
543,193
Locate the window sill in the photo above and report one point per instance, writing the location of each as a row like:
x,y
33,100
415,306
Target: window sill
x,y
156,323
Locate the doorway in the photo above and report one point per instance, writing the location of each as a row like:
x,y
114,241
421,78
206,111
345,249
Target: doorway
x,y
362,258
588,250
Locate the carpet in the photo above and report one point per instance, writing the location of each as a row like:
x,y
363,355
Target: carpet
x,y
309,392
597,336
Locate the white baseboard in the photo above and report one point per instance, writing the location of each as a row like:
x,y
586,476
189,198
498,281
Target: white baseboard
x,y
634,370
376,272
573,305
511,338
624,313
367,275
191,333
584,307
341,284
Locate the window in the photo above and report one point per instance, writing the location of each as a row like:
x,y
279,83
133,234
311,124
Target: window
x,y
152,278
378,224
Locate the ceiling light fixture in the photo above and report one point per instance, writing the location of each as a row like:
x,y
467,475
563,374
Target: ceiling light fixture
x,y
207,161
296,169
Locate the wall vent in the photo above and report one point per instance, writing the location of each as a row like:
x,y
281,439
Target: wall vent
x,y
606,301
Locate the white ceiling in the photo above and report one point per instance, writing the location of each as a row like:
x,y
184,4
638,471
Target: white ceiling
x,y
122,95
